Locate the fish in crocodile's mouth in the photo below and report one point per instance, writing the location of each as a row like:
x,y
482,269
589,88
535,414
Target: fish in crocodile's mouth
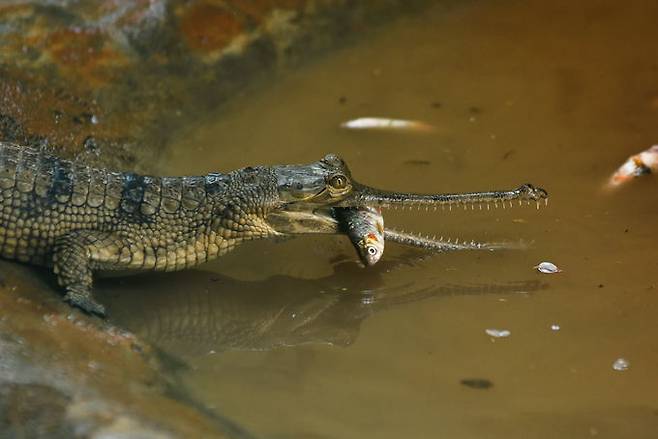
x,y
322,197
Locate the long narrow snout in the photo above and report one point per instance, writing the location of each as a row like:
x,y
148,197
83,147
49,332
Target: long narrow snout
x,y
322,197
369,196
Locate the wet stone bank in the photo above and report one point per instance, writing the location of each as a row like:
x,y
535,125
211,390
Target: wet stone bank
x,y
111,81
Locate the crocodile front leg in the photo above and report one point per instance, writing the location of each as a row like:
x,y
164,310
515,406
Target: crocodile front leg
x,y
75,255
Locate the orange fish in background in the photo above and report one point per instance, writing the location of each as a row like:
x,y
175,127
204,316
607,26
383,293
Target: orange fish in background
x,y
637,165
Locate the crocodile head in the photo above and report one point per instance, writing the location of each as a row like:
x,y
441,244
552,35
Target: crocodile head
x,y
322,197
309,194
309,197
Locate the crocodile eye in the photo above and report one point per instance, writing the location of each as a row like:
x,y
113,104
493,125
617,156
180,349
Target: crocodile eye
x,y
338,181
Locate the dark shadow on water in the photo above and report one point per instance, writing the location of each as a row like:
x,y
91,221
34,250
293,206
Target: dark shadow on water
x,y
196,312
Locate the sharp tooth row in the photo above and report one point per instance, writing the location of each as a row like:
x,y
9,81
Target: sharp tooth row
x,y
417,206
443,240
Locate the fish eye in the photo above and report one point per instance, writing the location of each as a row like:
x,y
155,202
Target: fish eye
x,y
372,251
338,181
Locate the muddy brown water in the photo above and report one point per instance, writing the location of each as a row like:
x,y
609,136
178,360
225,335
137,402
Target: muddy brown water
x,y
294,339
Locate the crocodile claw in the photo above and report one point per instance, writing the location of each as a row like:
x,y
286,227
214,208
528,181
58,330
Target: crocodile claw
x,y
83,300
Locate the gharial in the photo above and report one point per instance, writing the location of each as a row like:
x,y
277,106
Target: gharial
x,y
80,220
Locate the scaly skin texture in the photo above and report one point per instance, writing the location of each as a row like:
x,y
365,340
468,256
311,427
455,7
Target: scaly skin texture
x,y
80,220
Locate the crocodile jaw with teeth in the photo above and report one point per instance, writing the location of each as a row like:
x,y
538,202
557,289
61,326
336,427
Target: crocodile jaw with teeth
x,y
81,220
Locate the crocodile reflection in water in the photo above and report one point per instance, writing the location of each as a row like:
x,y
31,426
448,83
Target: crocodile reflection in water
x,y
193,313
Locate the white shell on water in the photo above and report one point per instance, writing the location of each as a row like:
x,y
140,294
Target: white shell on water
x,y
498,333
621,364
547,267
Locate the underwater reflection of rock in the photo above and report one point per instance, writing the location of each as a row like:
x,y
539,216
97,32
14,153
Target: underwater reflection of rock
x,y
194,313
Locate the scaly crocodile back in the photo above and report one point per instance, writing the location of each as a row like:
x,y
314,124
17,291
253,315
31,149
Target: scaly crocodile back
x,y
44,197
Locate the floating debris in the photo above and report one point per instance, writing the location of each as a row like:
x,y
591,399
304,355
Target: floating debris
x,y
621,364
637,165
417,162
498,333
383,123
555,327
476,383
547,268
367,300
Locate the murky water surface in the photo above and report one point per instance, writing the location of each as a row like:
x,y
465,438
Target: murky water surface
x,y
294,339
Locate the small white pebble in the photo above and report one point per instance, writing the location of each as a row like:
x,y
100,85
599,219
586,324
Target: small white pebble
x,y
498,333
621,364
547,267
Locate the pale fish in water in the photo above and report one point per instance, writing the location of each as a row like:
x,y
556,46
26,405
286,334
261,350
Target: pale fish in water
x,y
383,123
